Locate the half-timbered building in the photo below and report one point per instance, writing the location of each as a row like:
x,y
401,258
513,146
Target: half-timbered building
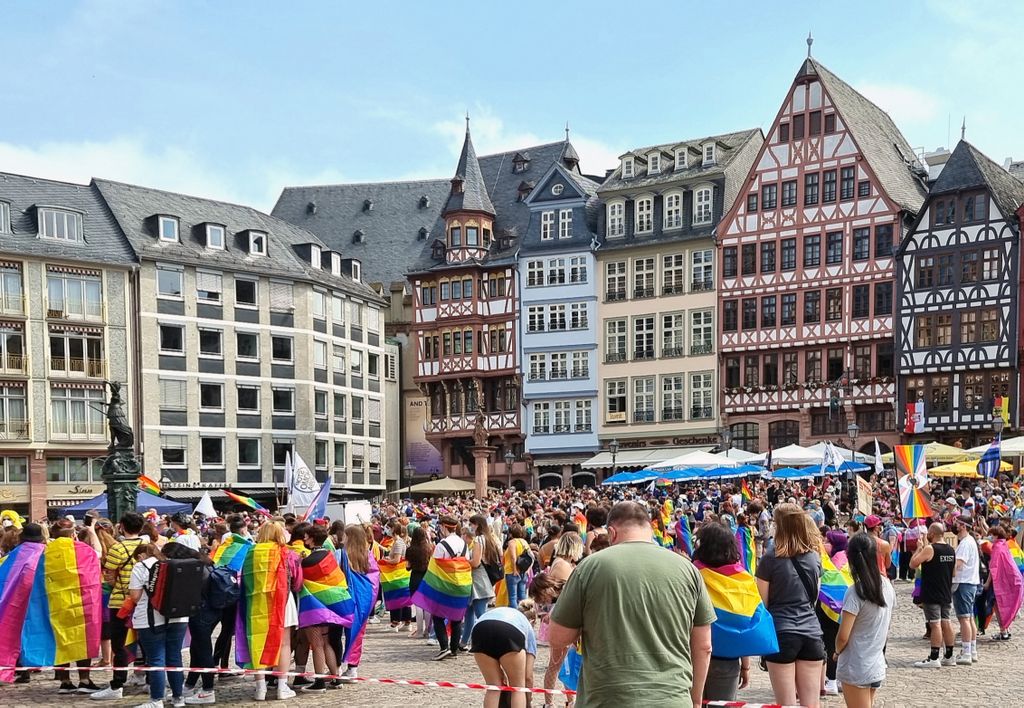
x,y
958,294
806,267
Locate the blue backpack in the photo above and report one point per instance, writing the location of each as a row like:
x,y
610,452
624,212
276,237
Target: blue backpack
x,y
222,588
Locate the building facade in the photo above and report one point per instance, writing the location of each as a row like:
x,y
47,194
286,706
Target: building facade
x,y
958,302
657,291
806,265
256,340
558,326
66,277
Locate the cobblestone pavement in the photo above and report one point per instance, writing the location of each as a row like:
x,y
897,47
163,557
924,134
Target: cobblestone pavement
x,y
992,682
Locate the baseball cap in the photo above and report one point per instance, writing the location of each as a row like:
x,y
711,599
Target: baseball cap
x,y
951,500
872,521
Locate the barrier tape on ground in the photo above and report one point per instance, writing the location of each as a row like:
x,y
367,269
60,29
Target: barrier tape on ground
x,y
330,677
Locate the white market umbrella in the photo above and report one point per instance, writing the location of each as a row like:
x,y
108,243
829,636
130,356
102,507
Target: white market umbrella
x,y
695,458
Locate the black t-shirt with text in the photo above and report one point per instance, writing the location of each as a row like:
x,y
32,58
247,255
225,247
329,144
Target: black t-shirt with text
x,y
937,575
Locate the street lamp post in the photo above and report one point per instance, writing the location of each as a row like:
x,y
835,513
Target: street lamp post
x,y
613,447
853,431
726,434
509,459
998,424
409,471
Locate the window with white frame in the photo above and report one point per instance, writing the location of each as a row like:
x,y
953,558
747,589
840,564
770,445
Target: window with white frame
x,y
673,210
709,154
578,315
357,271
580,365
643,337
340,461
700,396
247,346
643,211
168,229
615,280
319,305
615,401
534,273
643,277
248,452
578,269
355,313
209,286
538,367
172,339
211,343
314,256
355,360
680,158
560,365
562,417
340,406
173,450
653,163
281,349
246,293
60,224
76,413
5,218
672,401
643,399
616,219
173,394
281,296
673,274
215,236
169,282
583,421
615,340
672,334
73,296
248,399
211,452
338,358
257,243
319,354
14,413
358,458
702,206
565,223
702,269
283,401
547,225
556,317
373,461
556,271
211,396
627,167
701,332
535,318
541,417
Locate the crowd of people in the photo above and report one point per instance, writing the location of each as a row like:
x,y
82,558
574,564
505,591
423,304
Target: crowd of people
x,y
640,593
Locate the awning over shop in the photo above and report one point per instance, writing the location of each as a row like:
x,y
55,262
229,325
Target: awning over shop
x,y
639,458
558,461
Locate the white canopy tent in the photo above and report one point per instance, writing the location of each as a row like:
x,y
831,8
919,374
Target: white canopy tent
x,y
1012,447
792,456
846,453
740,456
697,458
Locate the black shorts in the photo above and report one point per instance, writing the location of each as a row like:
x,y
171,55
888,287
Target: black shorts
x,y
797,647
495,639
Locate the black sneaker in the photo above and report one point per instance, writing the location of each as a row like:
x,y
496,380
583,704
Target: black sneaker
x,y
87,687
67,687
336,683
23,677
300,681
272,682
442,655
317,686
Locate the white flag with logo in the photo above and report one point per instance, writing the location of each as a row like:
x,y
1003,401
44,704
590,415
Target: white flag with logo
x,y
302,484
878,458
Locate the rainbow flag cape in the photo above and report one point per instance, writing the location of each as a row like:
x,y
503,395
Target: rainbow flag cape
x,y
325,598
684,538
835,581
745,491
743,627
364,588
260,625
1017,554
51,604
247,501
500,594
394,584
232,552
148,485
580,519
748,551
660,537
446,588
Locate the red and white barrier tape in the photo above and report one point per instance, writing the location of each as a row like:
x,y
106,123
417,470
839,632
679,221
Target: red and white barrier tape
x,y
382,681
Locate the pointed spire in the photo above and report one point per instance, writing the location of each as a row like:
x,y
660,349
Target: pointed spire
x,y
810,41
468,193
963,128
566,131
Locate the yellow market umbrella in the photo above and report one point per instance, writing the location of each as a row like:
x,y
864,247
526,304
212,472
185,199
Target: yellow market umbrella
x,y
967,468
936,452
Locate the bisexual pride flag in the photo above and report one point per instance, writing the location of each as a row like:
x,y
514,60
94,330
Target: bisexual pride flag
x,y
743,627
394,584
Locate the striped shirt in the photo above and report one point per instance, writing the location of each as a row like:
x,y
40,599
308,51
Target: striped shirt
x,y
118,567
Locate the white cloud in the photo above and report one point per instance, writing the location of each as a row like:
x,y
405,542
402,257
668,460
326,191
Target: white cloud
x,y
904,104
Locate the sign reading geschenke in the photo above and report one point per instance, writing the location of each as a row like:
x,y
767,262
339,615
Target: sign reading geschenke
x,y
676,441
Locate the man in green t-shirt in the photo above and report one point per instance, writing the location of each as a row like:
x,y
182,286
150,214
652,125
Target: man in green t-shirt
x,y
644,616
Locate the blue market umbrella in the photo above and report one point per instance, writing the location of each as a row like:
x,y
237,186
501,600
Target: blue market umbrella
x,y
144,502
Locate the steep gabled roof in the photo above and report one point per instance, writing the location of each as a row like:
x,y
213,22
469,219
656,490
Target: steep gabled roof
x,y
473,195
969,168
888,153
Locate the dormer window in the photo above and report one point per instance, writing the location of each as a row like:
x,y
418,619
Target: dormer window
x,y
681,158
60,224
257,243
336,263
367,205
424,201
5,218
314,256
357,271
422,234
524,189
167,227
653,163
520,163
709,154
437,250
215,236
627,167
358,236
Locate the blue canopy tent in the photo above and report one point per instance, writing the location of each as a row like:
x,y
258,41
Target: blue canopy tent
x,y
683,474
621,478
144,502
730,472
816,469
793,473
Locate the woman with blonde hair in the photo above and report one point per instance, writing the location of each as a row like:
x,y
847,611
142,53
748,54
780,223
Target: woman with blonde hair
x,y
788,579
568,552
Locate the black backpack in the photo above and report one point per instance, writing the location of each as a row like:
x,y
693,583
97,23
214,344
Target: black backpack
x,y
222,588
175,588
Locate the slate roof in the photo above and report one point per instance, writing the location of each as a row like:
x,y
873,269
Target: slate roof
x,y
104,242
473,196
133,207
969,168
881,142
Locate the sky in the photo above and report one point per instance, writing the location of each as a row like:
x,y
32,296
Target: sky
x,y
235,100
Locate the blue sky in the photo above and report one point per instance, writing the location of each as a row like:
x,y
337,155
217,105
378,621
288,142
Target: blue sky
x,y
237,99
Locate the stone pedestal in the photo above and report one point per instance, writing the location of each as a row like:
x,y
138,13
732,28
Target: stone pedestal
x,y
481,467
121,472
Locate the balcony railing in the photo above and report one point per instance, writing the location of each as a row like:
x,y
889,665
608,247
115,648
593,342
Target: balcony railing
x,y
641,354
559,374
14,429
534,280
643,292
578,278
58,313
537,376
646,416
563,428
672,352
13,363
700,412
615,295
698,286
580,373
90,368
672,289
556,325
613,357
541,430
535,327
12,304
579,323
583,427
671,413
700,349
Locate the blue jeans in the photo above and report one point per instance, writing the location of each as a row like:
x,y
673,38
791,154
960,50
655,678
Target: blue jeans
x,y
162,646
516,585
476,608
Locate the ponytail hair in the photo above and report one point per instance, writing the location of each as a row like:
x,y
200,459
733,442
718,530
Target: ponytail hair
x,y
862,553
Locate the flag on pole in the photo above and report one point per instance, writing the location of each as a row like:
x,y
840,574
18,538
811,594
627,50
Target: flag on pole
x,y
288,473
915,418
318,507
302,485
247,501
205,506
147,484
879,468
988,465
830,457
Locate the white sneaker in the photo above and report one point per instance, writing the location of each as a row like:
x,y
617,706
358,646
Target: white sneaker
x,y
107,694
350,674
261,690
951,661
974,656
138,679
963,659
433,642
151,704
373,620
928,663
831,687
187,692
178,702
201,698
284,691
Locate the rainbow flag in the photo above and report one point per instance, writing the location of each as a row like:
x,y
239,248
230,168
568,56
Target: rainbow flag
x,y
299,548
148,485
745,492
247,501
748,551
1017,554
394,584
659,535
835,581
446,588
666,512
684,538
913,502
500,594
232,552
743,627
580,519
325,598
260,626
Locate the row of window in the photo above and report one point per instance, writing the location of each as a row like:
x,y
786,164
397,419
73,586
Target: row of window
x,y
960,209
457,397
473,237
746,436
781,310
814,121
73,295
637,400
977,392
775,369
668,329
554,318
983,265
493,285
680,159
461,343
816,186
554,417
781,255
675,277
671,204
979,326
556,271
174,453
72,353
556,366
75,413
549,224
169,227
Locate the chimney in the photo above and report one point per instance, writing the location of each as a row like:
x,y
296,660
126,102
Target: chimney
x,y
1015,168
936,160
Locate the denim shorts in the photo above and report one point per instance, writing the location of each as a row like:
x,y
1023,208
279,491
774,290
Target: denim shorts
x,y
963,599
934,612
